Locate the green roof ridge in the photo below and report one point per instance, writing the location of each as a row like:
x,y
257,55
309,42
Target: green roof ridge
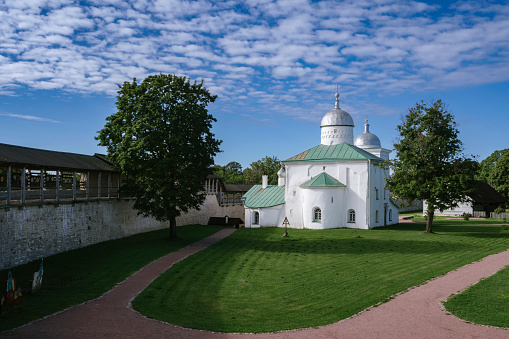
x,y
341,151
322,180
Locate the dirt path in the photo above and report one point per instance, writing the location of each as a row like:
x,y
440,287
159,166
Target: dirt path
x,y
414,314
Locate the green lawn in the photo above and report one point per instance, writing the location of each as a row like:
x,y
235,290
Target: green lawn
x,y
257,281
76,276
486,302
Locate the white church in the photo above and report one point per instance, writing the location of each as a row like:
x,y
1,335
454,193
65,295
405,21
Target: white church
x,y
338,183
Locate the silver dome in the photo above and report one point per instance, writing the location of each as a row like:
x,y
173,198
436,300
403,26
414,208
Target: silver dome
x,y
367,139
337,117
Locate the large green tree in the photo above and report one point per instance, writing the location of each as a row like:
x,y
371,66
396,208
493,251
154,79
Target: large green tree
x,y
160,136
429,164
270,165
231,173
495,171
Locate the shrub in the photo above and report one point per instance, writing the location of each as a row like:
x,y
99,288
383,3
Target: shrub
x,y
499,210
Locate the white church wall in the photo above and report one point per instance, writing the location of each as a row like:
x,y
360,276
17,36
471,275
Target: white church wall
x,y
356,195
353,174
380,200
267,217
330,201
295,176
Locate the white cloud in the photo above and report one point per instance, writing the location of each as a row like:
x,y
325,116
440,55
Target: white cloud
x,y
389,45
29,117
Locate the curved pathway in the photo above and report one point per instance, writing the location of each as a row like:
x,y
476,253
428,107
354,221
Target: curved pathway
x,y
416,313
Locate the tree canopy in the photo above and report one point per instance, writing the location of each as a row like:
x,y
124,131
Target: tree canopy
x,y
429,164
160,136
495,171
269,165
232,172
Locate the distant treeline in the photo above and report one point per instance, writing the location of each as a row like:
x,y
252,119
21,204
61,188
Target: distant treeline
x,y
232,173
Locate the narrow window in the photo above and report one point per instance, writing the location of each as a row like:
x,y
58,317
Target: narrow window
x,y
256,218
351,216
376,193
390,215
317,214
377,215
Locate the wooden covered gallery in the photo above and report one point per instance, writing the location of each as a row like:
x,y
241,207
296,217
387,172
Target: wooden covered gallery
x,y
227,194
34,176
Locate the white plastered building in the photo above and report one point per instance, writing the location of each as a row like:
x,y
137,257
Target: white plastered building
x,y
338,183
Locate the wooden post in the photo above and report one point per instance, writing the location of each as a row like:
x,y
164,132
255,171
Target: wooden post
x,y
41,178
109,185
74,186
9,169
87,195
23,185
99,185
57,186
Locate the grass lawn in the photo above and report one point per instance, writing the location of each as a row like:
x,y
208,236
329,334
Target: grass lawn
x,y
486,302
256,281
76,276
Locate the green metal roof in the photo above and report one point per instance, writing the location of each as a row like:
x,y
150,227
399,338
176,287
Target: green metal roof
x,y
258,197
322,180
341,151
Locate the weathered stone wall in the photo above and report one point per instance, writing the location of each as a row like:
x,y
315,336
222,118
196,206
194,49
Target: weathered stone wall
x,y
34,232
210,208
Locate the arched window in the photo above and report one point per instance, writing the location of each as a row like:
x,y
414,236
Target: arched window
x,y
390,215
317,214
377,216
351,216
256,218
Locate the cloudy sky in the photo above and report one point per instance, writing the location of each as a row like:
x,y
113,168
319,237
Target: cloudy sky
x,y
273,64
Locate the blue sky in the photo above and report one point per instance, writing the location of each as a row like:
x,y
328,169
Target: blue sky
x,y
273,65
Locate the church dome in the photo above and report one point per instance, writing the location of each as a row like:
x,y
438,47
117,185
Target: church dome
x,y
337,117
367,139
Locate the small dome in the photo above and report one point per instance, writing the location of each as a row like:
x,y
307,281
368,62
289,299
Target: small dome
x,y
367,139
281,173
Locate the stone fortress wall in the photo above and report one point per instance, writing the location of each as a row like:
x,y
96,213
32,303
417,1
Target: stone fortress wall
x,y
33,232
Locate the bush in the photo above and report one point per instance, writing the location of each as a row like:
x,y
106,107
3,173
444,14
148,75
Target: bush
x,y
466,216
499,210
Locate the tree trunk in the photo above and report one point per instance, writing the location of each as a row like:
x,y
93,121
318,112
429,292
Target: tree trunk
x,y
173,228
429,221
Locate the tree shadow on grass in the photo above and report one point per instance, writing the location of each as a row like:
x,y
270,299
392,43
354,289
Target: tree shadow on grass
x,y
352,243
239,257
453,228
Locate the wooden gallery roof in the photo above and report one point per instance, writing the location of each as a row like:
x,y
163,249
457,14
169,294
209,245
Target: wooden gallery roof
x,y
33,158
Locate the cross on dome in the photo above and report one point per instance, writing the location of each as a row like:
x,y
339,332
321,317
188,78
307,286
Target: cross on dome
x,y
337,95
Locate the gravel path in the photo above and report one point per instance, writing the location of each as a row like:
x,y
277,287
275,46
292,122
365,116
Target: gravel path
x,y
416,313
